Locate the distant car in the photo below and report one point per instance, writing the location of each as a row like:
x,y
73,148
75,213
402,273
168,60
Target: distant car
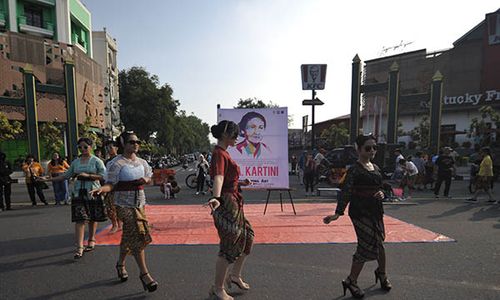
x,y
342,157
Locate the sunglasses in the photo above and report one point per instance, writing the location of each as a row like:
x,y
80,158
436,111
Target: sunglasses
x,y
369,148
83,147
133,142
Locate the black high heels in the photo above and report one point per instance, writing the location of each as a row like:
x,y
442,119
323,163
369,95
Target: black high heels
x,y
122,273
78,252
385,284
353,287
150,287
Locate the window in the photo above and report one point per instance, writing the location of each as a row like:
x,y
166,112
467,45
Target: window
x,y
34,16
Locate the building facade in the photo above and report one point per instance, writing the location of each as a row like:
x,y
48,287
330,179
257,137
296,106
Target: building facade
x,y
471,71
105,53
52,40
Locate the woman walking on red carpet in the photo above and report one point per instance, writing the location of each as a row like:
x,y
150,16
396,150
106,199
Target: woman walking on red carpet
x,y
88,171
235,232
362,190
126,176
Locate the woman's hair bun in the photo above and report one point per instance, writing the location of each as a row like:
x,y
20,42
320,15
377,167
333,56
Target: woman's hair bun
x,y
216,131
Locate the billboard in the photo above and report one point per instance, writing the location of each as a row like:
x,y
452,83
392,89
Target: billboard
x,y
261,149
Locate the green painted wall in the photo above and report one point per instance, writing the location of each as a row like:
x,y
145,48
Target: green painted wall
x,y
4,12
14,149
49,15
80,25
80,35
79,12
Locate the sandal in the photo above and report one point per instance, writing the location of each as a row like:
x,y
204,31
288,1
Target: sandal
x,y
238,281
79,252
122,273
89,248
151,286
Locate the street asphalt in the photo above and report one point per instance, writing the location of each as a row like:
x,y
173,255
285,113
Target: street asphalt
x,y
37,245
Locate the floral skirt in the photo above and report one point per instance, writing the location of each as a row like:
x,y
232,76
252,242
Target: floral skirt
x,y
136,233
235,232
110,206
483,182
84,208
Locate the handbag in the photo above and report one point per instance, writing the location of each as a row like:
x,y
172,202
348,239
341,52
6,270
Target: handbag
x,y
42,185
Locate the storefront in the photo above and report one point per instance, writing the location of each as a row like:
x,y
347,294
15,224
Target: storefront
x,y
471,71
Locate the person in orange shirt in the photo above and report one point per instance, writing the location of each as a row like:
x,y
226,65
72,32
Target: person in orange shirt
x,y
33,169
56,167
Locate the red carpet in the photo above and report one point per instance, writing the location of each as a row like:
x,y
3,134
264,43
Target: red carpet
x,y
193,225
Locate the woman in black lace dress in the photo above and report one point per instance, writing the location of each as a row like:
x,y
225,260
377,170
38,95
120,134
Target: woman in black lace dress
x,y
362,190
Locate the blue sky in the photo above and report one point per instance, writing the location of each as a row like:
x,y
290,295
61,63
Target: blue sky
x,y
215,51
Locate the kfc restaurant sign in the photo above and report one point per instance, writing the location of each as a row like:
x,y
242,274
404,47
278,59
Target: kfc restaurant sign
x,y
472,99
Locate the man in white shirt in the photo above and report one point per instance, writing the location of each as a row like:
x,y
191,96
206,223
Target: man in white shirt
x,y
320,156
410,172
399,156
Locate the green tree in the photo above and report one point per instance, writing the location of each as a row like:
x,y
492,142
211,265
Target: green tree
x,y
53,139
190,134
335,136
254,103
257,103
481,129
421,133
146,107
85,130
9,130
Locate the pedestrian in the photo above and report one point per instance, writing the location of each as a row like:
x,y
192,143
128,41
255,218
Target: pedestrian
x,y
5,182
201,174
420,164
302,165
399,155
126,177
98,153
85,209
57,166
319,156
410,173
235,232
310,169
112,151
430,169
32,170
445,170
362,190
484,176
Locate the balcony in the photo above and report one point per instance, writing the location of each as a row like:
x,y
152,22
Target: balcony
x,y
46,31
78,42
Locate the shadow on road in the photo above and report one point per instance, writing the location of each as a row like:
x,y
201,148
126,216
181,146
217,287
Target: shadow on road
x,y
35,244
25,264
373,290
454,211
486,213
7,215
91,285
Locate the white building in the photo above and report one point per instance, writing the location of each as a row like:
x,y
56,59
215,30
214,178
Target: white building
x,y
105,53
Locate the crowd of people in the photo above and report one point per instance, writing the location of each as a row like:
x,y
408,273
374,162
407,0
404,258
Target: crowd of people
x,y
114,189
412,173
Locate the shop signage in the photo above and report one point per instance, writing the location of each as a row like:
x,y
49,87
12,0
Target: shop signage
x,y
473,99
313,77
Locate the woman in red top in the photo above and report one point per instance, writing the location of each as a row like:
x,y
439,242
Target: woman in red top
x,y
235,232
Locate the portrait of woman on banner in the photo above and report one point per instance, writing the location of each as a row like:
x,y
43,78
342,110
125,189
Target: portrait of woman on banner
x,y
252,128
